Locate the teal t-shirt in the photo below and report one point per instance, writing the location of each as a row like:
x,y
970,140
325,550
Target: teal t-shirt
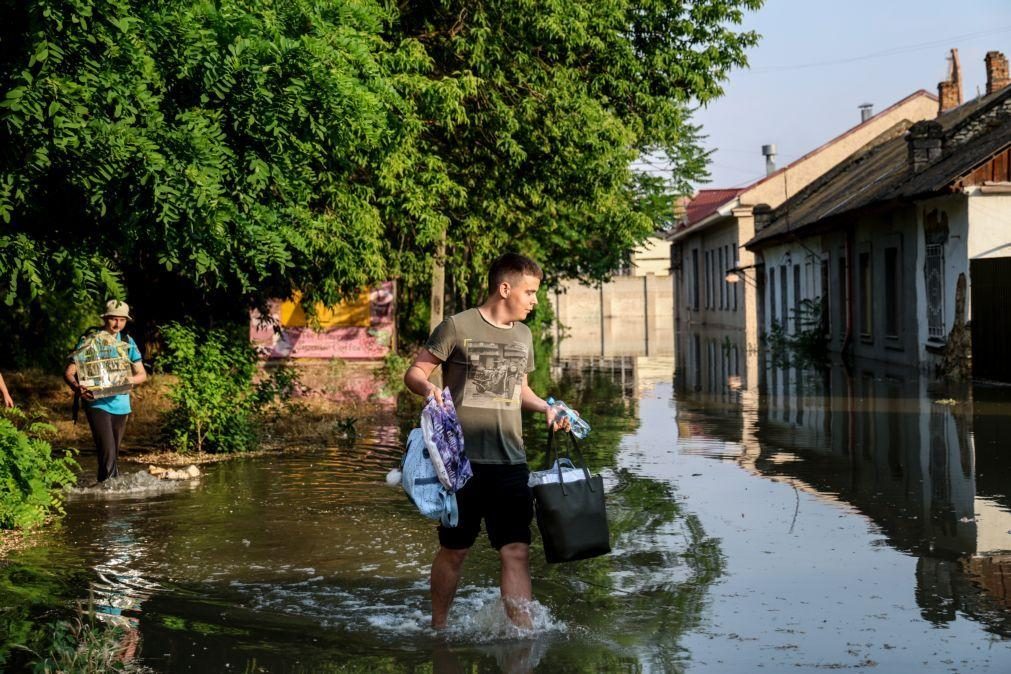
x,y
116,404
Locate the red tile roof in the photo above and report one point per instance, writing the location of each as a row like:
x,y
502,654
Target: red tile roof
x,y
706,202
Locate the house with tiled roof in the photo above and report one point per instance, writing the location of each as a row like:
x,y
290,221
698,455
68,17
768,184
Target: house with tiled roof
x,y
715,285
905,247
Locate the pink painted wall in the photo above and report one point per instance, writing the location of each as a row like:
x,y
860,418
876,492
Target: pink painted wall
x,y
274,339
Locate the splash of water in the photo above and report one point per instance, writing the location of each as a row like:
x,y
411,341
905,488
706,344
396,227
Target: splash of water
x,y
131,484
480,616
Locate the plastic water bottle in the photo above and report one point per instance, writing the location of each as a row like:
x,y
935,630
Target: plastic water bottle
x,y
580,428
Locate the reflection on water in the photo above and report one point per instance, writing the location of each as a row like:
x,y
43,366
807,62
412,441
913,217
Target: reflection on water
x,y
919,459
308,562
794,519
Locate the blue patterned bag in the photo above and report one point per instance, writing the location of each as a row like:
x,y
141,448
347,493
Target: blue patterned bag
x,y
435,466
421,482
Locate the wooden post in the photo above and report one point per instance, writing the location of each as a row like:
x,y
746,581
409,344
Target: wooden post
x,y
438,285
438,303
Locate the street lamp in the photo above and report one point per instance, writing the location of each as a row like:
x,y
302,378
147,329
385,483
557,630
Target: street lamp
x,y
736,274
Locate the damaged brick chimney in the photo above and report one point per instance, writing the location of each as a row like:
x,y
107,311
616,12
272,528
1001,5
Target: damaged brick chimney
x,y
925,141
996,72
949,92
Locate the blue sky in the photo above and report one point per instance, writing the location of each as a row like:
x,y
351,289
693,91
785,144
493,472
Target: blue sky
x,y
798,95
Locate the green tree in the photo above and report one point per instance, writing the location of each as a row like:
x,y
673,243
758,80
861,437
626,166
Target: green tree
x,y
201,157
570,94
212,155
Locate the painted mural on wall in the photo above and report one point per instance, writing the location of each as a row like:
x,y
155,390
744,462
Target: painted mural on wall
x,y
361,328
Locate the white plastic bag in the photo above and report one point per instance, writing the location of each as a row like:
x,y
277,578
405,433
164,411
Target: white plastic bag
x,y
550,476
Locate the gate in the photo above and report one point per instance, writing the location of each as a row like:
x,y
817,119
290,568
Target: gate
x,y
991,318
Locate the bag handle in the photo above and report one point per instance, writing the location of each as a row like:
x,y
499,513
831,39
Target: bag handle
x,y
553,452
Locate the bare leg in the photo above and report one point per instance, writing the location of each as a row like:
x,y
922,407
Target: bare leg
x,y
446,570
516,591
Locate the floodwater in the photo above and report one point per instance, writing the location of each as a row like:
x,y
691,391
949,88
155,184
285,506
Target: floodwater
x,y
762,518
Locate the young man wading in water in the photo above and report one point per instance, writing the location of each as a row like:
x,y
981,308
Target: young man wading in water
x,y
485,355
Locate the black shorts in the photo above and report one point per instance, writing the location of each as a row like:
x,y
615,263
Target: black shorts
x,y
498,494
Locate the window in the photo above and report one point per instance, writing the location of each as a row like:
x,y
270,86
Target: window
x,y
705,279
843,295
893,310
710,263
721,279
934,272
866,306
826,305
733,261
729,286
796,300
717,299
784,307
772,296
695,279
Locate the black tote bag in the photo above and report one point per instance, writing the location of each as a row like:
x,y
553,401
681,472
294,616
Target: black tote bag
x,y
571,515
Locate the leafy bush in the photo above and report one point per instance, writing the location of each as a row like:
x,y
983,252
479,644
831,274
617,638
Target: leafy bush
x,y
216,404
31,478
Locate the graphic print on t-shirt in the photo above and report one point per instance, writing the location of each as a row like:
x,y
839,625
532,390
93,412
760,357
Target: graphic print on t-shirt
x,y
494,374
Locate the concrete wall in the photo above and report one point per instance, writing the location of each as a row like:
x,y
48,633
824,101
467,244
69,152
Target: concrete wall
x,y
653,257
628,316
976,226
954,211
990,230
840,252
874,236
803,258
721,305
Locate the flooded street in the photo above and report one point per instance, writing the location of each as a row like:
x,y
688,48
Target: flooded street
x,y
762,517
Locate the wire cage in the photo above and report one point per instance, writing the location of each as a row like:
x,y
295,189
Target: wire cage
x,y
103,365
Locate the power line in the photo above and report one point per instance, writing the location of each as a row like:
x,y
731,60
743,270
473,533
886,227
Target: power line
x,y
884,52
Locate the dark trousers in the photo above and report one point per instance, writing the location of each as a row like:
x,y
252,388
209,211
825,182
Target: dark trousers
x,y
107,431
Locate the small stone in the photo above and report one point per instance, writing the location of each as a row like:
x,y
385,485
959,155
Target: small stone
x,y
192,471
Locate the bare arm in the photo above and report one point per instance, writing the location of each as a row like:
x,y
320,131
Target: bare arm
x,y
7,400
416,377
139,375
70,377
532,402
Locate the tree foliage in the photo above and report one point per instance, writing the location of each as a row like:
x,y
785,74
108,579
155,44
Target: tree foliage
x,y
570,94
199,157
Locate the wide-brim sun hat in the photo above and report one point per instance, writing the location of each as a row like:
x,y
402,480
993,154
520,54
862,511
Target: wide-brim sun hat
x,y
115,308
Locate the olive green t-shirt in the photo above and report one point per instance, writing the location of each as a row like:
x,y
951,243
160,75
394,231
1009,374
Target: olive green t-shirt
x,y
484,366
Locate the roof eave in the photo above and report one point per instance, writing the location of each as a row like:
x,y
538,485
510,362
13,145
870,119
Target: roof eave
x,y
722,212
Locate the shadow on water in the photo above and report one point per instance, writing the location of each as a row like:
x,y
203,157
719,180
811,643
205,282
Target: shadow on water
x,y
307,562
926,462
